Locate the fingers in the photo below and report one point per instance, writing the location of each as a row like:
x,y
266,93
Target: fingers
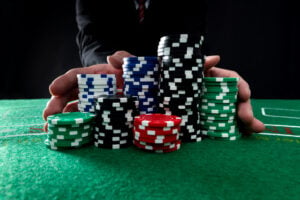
x,y
64,88
68,81
57,103
249,123
116,60
211,61
71,107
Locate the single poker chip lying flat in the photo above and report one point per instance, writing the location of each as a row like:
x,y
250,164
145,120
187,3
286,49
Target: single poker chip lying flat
x,y
157,120
70,118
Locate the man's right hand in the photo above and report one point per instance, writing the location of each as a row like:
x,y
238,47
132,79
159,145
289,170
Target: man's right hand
x,y
65,88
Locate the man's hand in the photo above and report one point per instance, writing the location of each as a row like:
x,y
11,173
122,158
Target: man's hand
x,y
65,89
248,123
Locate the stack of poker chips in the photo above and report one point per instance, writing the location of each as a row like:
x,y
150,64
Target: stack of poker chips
x,y
91,85
181,72
69,130
141,80
157,132
218,108
114,120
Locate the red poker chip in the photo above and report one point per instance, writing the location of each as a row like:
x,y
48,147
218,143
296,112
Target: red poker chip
x,y
139,126
177,147
156,141
157,120
154,137
152,132
151,147
157,145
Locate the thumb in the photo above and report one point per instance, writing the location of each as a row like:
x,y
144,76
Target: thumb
x,y
116,60
211,61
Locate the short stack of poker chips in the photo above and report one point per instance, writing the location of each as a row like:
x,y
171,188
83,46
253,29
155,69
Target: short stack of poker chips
x,y
69,130
114,120
91,85
141,80
181,72
218,108
157,132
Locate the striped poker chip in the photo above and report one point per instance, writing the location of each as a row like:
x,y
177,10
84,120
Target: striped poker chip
x,y
140,58
155,132
70,118
221,79
151,147
157,120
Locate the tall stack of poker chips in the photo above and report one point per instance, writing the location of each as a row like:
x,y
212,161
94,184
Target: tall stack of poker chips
x,y
181,72
141,80
157,132
114,120
69,130
218,108
91,85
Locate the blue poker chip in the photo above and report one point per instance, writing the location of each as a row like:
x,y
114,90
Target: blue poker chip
x,y
140,83
140,75
140,58
95,76
147,62
96,79
140,69
137,65
139,93
142,79
96,85
91,90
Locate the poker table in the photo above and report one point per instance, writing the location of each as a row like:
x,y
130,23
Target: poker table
x,y
260,166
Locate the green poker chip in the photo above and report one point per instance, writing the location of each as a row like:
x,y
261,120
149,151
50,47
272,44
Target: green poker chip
x,y
219,84
218,123
70,135
221,79
221,134
217,107
69,143
65,129
213,117
215,100
219,96
218,128
218,111
228,90
221,106
70,118
230,138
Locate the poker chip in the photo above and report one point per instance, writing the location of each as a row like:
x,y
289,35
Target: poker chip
x,y
218,108
157,132
69,118
157,120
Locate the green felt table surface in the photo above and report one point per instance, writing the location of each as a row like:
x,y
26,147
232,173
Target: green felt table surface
x,y
261,166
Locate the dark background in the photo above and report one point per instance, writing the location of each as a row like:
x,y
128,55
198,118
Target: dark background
x,y
259,39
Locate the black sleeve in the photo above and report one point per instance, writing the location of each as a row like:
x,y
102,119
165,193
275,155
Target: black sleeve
x,y
91,37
